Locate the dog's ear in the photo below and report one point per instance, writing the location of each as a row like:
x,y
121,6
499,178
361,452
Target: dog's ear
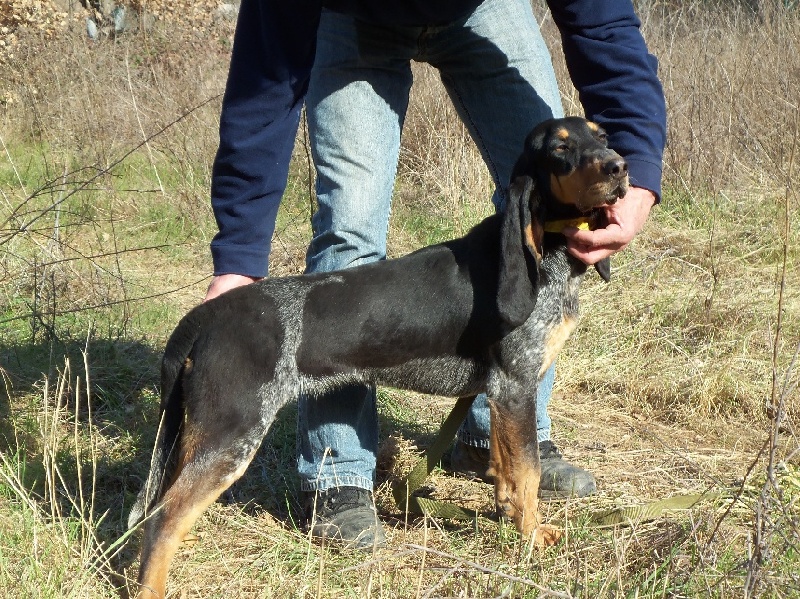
x,y
603,268
520,253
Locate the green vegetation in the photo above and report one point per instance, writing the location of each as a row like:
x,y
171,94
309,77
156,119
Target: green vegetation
x,y
682,377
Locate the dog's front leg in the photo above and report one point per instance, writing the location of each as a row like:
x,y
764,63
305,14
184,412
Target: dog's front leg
x,y
514,464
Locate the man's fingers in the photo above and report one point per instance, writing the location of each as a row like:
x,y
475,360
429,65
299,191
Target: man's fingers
x,y
623,221
592,256
611,235
592,246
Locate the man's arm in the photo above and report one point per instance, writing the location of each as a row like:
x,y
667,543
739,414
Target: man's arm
x,y
617,82
272,56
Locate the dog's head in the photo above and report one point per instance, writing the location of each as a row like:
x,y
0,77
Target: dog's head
x,y
566,170
572,166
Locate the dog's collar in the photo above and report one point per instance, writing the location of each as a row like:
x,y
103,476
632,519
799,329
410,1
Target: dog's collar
x,y
586,223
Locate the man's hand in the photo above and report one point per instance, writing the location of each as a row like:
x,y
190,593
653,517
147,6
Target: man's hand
x,y
222,283
624,220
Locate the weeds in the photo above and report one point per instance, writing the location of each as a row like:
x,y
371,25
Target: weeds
x,y
51,485
682,378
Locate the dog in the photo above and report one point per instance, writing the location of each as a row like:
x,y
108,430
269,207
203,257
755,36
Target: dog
x,y
487,312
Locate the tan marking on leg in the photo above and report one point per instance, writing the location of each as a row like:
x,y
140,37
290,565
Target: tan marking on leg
x,y
182,504
516,478
555,341
191,440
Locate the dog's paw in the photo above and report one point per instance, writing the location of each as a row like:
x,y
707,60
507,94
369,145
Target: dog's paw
x,y
545,535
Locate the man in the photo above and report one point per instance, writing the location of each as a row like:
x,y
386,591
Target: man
x,y
350,62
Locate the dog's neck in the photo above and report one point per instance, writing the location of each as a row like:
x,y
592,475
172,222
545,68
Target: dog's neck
x,y
556,217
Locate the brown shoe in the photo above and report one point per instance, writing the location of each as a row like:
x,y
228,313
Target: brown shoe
x,y
471,461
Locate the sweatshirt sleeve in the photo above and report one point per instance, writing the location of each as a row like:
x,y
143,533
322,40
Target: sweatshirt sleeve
x,y
617,81
273,52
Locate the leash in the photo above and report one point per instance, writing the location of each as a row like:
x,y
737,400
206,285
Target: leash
x,y
403,491
653,509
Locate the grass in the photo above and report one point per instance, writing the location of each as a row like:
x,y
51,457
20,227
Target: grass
x,y
681,379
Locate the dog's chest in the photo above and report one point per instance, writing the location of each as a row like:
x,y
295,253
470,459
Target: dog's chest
x,y
554,318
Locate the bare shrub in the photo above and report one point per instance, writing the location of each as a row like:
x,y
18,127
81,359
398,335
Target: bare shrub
x,y
105,222
42,16
80,111
732,96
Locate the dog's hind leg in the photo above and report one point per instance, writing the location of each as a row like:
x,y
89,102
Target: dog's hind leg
x,y
223,423
228,399
203,473
516,470
196,487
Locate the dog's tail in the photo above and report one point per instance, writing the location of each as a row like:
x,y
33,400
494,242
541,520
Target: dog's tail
x,y
164,458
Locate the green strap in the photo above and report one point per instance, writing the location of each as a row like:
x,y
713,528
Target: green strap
x,y
654,509
406,501
404,489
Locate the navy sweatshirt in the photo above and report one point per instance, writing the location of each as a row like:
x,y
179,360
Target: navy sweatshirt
x,y
273,53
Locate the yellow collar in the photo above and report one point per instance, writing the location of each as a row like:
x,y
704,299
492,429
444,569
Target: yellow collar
x,y
585,223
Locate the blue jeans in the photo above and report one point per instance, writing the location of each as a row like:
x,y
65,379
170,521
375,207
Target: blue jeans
x,y
498,73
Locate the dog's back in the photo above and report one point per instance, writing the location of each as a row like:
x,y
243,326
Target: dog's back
x,y
487,312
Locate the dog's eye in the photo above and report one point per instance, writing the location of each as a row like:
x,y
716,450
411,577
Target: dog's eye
x,y
602,137
562,148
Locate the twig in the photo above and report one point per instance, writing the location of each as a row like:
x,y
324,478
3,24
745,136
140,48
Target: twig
x,y
763,528
141,127
109,304
85,184
92,257
545,592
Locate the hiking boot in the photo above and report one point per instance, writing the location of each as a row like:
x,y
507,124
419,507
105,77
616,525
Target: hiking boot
x,y
559,477
346,515
470,461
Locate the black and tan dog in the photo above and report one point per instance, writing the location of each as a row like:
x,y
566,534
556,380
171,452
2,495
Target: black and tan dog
x,y
486,312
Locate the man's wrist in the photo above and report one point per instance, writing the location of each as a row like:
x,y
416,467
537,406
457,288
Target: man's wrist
x,y
645,194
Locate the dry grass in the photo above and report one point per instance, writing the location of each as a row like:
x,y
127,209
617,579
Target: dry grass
x,y
681,379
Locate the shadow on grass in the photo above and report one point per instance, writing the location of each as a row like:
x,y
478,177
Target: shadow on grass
x,y
101,448
117,431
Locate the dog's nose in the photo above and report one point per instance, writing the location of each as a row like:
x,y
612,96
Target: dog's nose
x,y
616,167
